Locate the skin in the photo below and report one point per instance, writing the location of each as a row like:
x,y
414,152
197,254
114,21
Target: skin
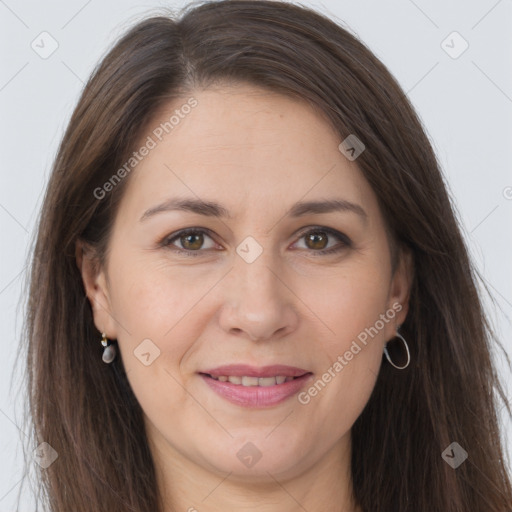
x,y
256,153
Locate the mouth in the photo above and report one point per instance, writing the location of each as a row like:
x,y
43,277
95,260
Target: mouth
x,y
256,387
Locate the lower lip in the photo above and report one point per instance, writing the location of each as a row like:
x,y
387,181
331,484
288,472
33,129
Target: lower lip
x,y
257,396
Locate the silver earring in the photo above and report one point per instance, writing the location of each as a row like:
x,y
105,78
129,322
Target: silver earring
x,y
109,352
402,339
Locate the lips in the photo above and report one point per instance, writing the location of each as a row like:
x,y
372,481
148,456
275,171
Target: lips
x,y
251,386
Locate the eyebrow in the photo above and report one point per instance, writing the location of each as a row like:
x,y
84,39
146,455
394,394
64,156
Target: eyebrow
x,y
213,209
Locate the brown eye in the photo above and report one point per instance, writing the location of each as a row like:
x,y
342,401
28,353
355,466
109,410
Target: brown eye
x,y
316,240
190,241
319,238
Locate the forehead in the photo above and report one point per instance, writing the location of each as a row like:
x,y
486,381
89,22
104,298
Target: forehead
x,y
248,149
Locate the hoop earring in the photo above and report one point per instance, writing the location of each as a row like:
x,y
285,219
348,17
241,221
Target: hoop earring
x,y
402,339
109,352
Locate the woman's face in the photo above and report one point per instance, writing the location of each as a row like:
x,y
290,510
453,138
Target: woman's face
x,y
249,286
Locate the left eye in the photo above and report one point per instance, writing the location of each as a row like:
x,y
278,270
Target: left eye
x,y
317,239
319,236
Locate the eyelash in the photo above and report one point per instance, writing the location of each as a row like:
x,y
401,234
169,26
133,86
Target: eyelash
x,y
346,242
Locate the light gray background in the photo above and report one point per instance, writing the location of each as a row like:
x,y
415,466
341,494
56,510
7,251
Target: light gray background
x,y
465,104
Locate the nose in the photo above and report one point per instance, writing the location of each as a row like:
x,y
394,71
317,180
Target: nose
x,y
258,302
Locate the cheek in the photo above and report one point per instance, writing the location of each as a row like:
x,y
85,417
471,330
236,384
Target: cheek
x,y
157,314
350,305
344,397
158,321
348,301
151,297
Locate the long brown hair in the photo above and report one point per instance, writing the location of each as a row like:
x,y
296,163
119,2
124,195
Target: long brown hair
x,y
86,411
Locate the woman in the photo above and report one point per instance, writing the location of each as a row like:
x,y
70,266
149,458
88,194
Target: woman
x,y
249,288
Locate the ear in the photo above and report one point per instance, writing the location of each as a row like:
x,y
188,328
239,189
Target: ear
x,y
401,282
96,288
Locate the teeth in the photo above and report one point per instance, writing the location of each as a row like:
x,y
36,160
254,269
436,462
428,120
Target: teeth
x,y
253,381
266,381
249,381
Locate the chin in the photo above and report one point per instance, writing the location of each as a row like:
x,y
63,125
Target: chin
x,y
255,461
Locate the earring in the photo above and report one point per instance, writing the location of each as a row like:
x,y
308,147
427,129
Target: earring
x,y
402,339
109,352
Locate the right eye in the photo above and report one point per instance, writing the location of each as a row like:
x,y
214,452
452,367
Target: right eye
x,y
190,239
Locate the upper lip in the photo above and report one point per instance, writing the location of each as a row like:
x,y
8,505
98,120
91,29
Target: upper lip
x,y
244,370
